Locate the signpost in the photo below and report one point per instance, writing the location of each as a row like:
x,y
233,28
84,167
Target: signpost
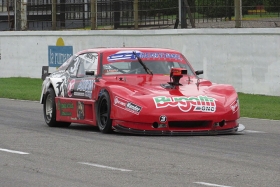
x,y
58,54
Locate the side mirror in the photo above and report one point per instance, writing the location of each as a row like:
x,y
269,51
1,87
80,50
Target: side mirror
x,y
199,72
90,73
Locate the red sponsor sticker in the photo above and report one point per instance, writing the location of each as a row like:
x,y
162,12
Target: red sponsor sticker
x,y
70,87
234,106
127,105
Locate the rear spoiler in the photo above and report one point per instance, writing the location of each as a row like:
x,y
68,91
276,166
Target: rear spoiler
x,y
45,72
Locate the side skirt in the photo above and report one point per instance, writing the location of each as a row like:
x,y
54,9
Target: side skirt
x,y
75,110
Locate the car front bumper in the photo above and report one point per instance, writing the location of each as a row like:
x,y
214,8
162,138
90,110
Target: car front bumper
x,y
120,128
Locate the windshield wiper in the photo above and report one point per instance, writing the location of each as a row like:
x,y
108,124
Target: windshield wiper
x,y
141,62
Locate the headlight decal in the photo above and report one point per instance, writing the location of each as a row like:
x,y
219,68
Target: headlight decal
x,y
235,106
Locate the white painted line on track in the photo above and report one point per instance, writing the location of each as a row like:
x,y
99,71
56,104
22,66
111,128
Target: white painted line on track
x,y
252,131
210,184
102,166
13,151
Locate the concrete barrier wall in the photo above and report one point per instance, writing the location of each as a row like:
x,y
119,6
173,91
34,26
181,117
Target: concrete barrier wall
x,y
249,59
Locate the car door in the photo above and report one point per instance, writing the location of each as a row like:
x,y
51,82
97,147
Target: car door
x,y
82,79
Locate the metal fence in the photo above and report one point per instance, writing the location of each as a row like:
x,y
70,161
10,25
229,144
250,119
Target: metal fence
x,y
152,14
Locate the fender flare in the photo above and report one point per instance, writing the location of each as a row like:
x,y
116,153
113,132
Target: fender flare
x,y
48,82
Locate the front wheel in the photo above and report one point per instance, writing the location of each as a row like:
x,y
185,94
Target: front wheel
x,y
50,110
103,113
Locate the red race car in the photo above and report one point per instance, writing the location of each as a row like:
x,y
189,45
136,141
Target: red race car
x,y
138,90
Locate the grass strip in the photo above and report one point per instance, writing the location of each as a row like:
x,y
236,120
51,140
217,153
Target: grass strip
x,y
259,106
21,88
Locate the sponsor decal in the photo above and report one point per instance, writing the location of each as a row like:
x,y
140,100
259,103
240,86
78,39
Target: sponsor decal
x,y
234,106
85,85
127,105
123,55
70,87
185,104
64,113
110,71
59,87
88,94
162,118
62,106
128,55
160,55
81,94
80,110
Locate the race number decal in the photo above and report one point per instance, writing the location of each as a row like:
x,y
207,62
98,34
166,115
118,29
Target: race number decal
x,y
163,118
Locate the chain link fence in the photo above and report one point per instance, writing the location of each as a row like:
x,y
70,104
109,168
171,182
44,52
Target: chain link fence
x,y
152,14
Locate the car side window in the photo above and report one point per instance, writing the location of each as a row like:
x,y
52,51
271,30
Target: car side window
x,y
73,67
88,62
66,64
82,63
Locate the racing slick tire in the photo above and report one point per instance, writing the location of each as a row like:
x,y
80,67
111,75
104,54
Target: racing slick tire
x,y
104,121
50,110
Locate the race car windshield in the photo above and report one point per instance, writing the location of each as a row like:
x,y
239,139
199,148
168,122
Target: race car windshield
x,y
134,67
143,62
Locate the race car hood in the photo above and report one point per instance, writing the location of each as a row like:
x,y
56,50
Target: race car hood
x,y
193,95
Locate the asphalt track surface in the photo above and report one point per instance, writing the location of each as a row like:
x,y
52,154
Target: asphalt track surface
x,y
33,154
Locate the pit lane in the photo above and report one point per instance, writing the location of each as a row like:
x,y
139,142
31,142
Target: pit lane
x,y
82,156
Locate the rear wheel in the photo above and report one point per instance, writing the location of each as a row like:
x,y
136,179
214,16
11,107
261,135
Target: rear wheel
x,y
103,113
50,110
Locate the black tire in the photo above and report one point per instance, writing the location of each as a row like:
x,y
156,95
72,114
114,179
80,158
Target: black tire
x,y
104,121
50,110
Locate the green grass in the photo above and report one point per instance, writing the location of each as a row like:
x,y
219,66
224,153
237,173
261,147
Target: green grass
x,y
20,88
259,106
253,106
